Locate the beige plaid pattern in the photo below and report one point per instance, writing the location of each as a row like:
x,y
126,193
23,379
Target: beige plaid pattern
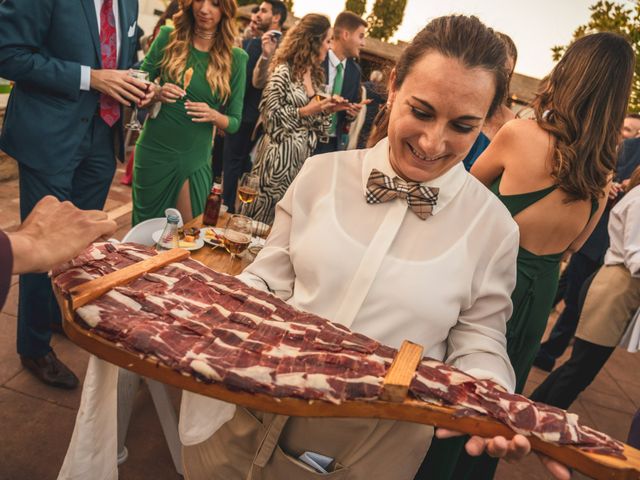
x,y
382,188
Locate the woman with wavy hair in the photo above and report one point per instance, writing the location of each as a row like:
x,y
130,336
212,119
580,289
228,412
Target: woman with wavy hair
x,y
200,73
553,174
293,118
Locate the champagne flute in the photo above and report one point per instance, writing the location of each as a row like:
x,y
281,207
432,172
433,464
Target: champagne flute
x,y
237,235
134,124
248,188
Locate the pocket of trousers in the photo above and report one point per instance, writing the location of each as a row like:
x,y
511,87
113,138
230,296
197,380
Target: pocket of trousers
x,y
283,466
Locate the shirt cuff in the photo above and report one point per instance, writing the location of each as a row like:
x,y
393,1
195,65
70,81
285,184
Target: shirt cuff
x,y
85,77
6,267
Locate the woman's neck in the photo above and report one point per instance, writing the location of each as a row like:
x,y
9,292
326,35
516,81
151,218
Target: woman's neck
x,y
202,40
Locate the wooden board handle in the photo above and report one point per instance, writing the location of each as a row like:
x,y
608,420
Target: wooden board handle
x,y
88,291
400,374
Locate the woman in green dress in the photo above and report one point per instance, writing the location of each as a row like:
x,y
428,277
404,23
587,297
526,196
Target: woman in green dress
x,y
553,174
200,73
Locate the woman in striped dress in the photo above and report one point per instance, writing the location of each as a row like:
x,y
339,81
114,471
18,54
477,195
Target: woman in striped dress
x,y
292,117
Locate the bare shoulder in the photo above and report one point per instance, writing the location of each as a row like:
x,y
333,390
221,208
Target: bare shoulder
x,y
527,138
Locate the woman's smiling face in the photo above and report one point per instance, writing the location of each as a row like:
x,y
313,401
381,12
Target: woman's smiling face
x,y
436,115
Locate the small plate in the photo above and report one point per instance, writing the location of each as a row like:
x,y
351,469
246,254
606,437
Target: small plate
x,y
214,242
199,243
256,242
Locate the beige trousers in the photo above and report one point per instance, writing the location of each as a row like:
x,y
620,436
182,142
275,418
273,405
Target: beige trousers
x,y
611,302
262,446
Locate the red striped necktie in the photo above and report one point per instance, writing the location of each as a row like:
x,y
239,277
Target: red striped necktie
x,y
109,106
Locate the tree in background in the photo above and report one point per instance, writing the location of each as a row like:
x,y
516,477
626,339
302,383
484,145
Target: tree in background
x,y
613,17
356,6
384,19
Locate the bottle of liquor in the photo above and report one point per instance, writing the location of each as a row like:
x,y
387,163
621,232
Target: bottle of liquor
x,y
169,238
212,208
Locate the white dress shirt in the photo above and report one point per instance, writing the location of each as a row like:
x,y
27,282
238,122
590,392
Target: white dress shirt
x,y
444,283
85,71
624,233
333,67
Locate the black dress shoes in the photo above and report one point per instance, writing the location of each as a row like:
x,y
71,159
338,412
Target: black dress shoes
x,y
51,371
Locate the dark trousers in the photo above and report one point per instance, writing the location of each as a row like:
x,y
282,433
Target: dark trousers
x,y
330,146
217,153
634,431
565,383
237,148
84,181
579,269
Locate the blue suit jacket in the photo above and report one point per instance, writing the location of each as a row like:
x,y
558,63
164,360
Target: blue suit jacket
x,y
350,91
42,46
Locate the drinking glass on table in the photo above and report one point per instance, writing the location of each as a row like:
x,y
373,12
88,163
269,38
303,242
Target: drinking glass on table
x,y
248,188
134,124
237,235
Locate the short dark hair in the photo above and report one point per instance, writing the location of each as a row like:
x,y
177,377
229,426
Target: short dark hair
x,y
349,21
278,8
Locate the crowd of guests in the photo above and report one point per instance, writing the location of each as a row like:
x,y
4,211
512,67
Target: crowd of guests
x,y
451,181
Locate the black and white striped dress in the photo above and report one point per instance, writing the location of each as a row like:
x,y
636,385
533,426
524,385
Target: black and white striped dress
x,y
287,142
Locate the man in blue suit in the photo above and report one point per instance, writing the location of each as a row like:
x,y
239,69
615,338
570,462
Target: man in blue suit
x,y
343,77
63,126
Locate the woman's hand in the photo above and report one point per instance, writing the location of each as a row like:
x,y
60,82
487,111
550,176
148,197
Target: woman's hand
x,y
170,92
326,105
201,112
151,95
499,447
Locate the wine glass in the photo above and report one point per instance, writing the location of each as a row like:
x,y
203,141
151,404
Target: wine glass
x,y
248,188
237,235
134,124
323,91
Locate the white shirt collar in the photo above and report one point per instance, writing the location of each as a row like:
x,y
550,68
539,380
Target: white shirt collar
x,y
334,60
449,183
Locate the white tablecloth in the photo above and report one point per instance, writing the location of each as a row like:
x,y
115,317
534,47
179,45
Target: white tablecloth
x,y
92,452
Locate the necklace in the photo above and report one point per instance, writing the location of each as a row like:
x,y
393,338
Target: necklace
x,y
203,35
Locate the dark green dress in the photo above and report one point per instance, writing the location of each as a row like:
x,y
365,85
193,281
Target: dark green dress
x,y
536,285
172,148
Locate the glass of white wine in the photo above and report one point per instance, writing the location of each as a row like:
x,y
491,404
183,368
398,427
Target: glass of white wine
x,y
237,235
134,124
248,188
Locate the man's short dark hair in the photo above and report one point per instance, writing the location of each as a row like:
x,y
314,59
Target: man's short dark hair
x,y
349,21
278,8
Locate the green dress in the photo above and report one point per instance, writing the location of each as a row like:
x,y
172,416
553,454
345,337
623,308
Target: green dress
x,y
171,148
536,285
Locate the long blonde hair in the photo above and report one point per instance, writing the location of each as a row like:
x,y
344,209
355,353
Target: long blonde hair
x,y
301,45
174,61
582,103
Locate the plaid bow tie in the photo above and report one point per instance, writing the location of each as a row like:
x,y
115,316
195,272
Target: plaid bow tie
x,y
421,199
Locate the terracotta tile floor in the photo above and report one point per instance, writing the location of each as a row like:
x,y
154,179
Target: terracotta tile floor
x,y
36,422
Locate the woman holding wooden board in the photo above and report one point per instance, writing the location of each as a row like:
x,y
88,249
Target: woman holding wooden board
x,y
396,242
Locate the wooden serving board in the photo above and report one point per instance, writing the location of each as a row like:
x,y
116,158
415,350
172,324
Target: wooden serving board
x,y
600,467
